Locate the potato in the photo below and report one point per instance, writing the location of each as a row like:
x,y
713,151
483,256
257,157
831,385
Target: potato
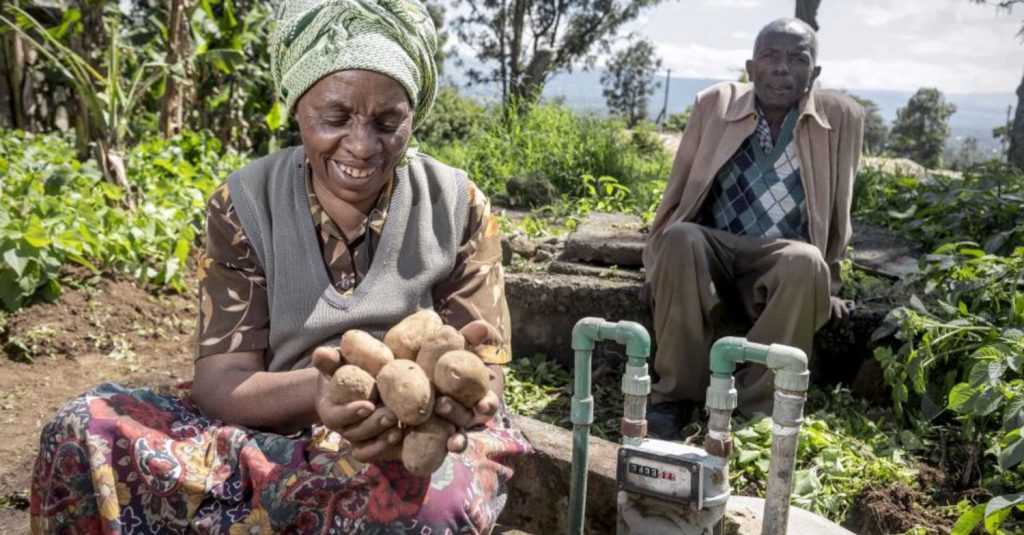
x,y
405,389
445,339
426,446
351,383
361,349
406,338
462,376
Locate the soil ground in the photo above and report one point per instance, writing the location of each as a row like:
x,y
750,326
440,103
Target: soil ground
x,y
114,332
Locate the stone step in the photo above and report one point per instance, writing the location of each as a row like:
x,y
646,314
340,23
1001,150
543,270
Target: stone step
x,y
609,239
545,307
589,270
606,239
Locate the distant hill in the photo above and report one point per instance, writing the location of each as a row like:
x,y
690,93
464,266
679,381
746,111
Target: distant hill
x,y
977,113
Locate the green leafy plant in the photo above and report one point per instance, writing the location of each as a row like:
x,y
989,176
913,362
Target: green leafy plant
x,y
56,211
986,205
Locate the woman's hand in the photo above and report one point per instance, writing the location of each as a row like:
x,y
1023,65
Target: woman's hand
x,y
372,431
476,333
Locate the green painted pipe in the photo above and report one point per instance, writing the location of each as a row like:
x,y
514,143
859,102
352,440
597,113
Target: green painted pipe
x,y
586,332
731,350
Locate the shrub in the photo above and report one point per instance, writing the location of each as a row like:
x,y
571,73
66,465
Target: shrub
x,y
551,141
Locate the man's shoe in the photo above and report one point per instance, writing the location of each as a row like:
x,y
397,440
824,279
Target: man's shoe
x,y
665,420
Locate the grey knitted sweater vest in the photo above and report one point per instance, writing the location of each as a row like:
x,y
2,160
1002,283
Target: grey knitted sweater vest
x,y
422,232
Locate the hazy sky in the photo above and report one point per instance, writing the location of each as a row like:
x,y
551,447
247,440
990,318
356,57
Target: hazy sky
x,y
954,45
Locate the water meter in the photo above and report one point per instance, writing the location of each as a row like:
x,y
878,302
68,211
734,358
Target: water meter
x,y
668,487
654,472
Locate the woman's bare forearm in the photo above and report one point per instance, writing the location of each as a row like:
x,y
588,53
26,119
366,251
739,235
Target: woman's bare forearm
x,y
230,388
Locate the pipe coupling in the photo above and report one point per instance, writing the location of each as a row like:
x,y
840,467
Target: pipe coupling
x,y
582,412
636,381
722,393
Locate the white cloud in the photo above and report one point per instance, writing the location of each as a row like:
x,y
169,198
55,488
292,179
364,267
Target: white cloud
x,y
743,4
909,75
698,61
743,36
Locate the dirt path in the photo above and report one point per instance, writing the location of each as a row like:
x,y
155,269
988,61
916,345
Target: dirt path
x,y
114,332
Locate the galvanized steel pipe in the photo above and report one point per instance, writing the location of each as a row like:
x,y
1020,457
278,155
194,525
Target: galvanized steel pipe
x,y
791,382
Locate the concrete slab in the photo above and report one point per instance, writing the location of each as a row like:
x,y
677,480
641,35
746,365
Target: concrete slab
x,y
607,239
743,516
538,499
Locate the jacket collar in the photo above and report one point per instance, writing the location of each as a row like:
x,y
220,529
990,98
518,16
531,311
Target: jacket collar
x,y
743,106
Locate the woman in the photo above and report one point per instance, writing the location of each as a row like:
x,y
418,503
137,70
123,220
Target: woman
x,y
351,230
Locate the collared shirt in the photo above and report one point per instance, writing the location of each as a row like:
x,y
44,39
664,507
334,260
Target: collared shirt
x,y
234,314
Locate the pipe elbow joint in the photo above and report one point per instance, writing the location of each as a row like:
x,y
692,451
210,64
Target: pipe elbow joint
x,y
726,352
790,366
635,337
586,331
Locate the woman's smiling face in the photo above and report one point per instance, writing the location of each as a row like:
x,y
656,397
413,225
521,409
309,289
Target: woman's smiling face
x,y
355,126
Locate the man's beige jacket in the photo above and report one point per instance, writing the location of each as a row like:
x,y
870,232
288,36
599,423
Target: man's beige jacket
x,y
829,134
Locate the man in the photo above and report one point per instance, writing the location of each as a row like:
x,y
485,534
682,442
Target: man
x,y
753,223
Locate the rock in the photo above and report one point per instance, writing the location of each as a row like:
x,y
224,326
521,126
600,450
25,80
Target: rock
x,y
606,239
531,190
524,247
543,255
506,251
881,252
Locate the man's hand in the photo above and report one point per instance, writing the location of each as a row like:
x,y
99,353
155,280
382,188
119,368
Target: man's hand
x,y
842,309
476,333
373,431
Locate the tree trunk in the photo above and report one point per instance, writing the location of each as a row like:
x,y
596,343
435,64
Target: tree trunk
x,y
172,111
17,79
1015,154
534,77
807,11
7,91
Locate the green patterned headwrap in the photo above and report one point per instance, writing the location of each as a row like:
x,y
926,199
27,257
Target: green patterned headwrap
x,y
314,38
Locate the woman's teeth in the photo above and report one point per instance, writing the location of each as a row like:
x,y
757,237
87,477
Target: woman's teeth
x,y
357,173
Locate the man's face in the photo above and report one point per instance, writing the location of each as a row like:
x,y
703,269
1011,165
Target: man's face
x,y
354,126
782,69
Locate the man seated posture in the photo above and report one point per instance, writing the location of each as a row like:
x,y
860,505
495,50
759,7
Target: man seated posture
x,y
754,222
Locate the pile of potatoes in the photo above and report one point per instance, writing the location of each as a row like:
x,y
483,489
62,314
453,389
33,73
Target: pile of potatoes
x,y
418,355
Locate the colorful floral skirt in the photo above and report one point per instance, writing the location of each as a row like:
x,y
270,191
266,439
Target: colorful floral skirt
x,y
117,460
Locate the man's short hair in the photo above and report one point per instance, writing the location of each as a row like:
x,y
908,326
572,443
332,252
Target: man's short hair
x,y
789,25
